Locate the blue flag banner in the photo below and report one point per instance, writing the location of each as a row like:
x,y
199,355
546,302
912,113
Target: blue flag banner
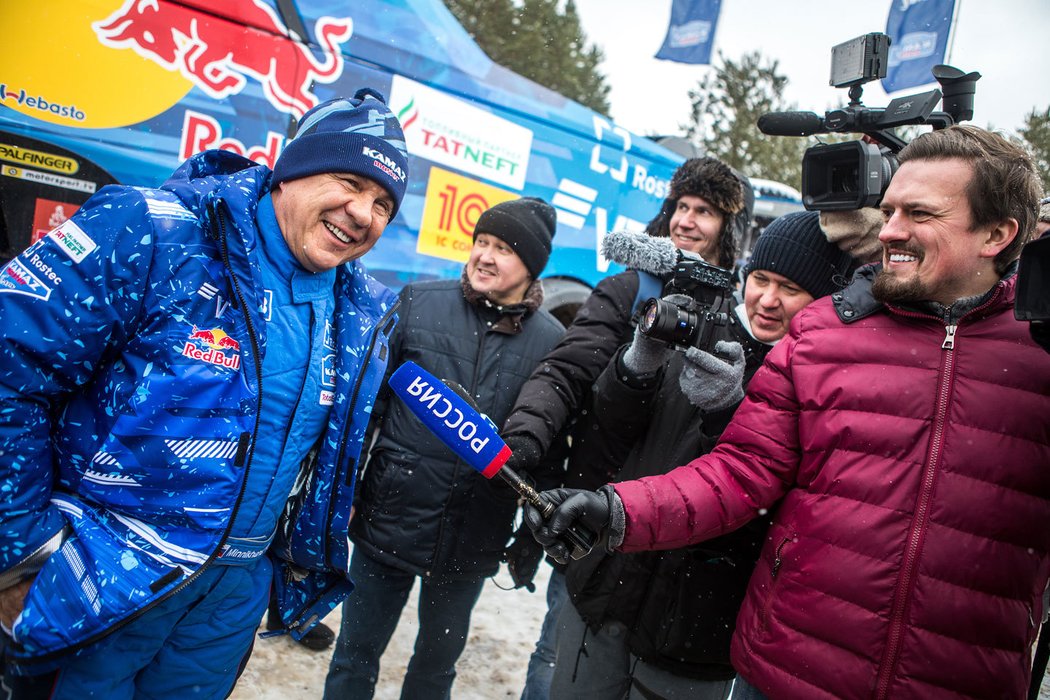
x,y
919,33
691,32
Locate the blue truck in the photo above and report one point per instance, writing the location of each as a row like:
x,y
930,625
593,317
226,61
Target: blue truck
x,y
100,91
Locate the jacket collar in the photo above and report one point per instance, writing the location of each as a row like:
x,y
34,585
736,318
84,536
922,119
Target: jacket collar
x,y
856,301
503,319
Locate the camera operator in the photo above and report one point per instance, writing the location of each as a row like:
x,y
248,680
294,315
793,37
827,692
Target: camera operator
x,y
660,622
902,428
704,207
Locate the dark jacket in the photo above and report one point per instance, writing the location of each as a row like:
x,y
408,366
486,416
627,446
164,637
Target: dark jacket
x,y
557,397
909,553
679,606
420,509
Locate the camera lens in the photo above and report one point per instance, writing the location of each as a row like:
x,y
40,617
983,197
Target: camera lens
x,y
663,320
843,177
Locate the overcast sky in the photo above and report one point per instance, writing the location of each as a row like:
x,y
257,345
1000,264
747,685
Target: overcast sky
x,y
1007,41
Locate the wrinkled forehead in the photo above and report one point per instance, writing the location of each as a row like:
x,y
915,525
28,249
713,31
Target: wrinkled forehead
x,y
941,183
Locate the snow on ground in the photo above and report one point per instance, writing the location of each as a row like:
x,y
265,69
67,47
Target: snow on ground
x,y
503,630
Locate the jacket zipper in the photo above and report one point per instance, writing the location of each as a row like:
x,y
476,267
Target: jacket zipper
x,y
120,624
778,559
888,665
349,417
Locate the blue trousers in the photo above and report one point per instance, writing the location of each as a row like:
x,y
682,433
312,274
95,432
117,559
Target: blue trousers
x,y
370,616
541,663
193,645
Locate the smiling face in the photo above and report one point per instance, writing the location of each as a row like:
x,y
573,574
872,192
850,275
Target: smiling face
x,y
696,226
496,271
931,249
331,218
771,301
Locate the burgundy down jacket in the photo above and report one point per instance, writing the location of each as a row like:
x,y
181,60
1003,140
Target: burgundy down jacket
x,y
909,555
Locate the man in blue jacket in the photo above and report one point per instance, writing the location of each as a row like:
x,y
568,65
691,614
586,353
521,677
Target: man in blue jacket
x,y
186,377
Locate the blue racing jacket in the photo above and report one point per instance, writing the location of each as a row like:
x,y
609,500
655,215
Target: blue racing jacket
x,y
130,371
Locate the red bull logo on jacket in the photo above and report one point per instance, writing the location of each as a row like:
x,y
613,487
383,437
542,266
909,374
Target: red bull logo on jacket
x,y
219,56
211,345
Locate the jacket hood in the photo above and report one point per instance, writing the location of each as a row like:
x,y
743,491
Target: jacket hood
x,y
205,177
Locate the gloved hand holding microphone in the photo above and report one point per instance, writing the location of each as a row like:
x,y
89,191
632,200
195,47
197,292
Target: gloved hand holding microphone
x,y
599,512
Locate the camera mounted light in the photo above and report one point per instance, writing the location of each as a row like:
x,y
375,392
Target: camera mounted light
x,y
859,60
910,109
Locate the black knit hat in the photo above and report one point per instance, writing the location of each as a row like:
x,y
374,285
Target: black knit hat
x,y
526,225
359,136
714,181
794,246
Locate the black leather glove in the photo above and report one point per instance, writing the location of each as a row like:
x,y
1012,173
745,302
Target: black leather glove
x,y
522,557
574,508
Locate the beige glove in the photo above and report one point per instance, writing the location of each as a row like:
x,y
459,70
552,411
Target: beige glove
x,y
855,232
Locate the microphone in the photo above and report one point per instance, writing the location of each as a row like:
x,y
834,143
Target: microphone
x,y
640,251
452,418
791,124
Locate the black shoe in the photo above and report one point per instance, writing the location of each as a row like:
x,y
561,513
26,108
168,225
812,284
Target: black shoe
x,y
317,639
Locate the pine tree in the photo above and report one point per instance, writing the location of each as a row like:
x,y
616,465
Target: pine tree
x,y
1036,134
538,40
726,105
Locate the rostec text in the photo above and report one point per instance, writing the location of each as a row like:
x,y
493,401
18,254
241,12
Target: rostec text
x,y
45,269
642,180
441,407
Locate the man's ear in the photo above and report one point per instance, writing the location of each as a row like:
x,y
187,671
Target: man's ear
x,y
999,237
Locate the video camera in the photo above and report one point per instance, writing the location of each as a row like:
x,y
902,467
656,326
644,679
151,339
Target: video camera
x,y
854,174
1032,304
691,324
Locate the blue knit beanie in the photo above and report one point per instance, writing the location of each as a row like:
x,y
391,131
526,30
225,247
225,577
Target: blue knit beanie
x,y
360,136
795,246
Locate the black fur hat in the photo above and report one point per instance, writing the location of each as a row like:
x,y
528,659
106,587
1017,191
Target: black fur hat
x,y
714,181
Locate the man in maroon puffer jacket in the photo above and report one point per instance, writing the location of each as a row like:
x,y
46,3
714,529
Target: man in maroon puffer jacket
x,y
902,426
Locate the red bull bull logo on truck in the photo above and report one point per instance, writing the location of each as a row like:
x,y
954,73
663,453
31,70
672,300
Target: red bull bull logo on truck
x,y
219,57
